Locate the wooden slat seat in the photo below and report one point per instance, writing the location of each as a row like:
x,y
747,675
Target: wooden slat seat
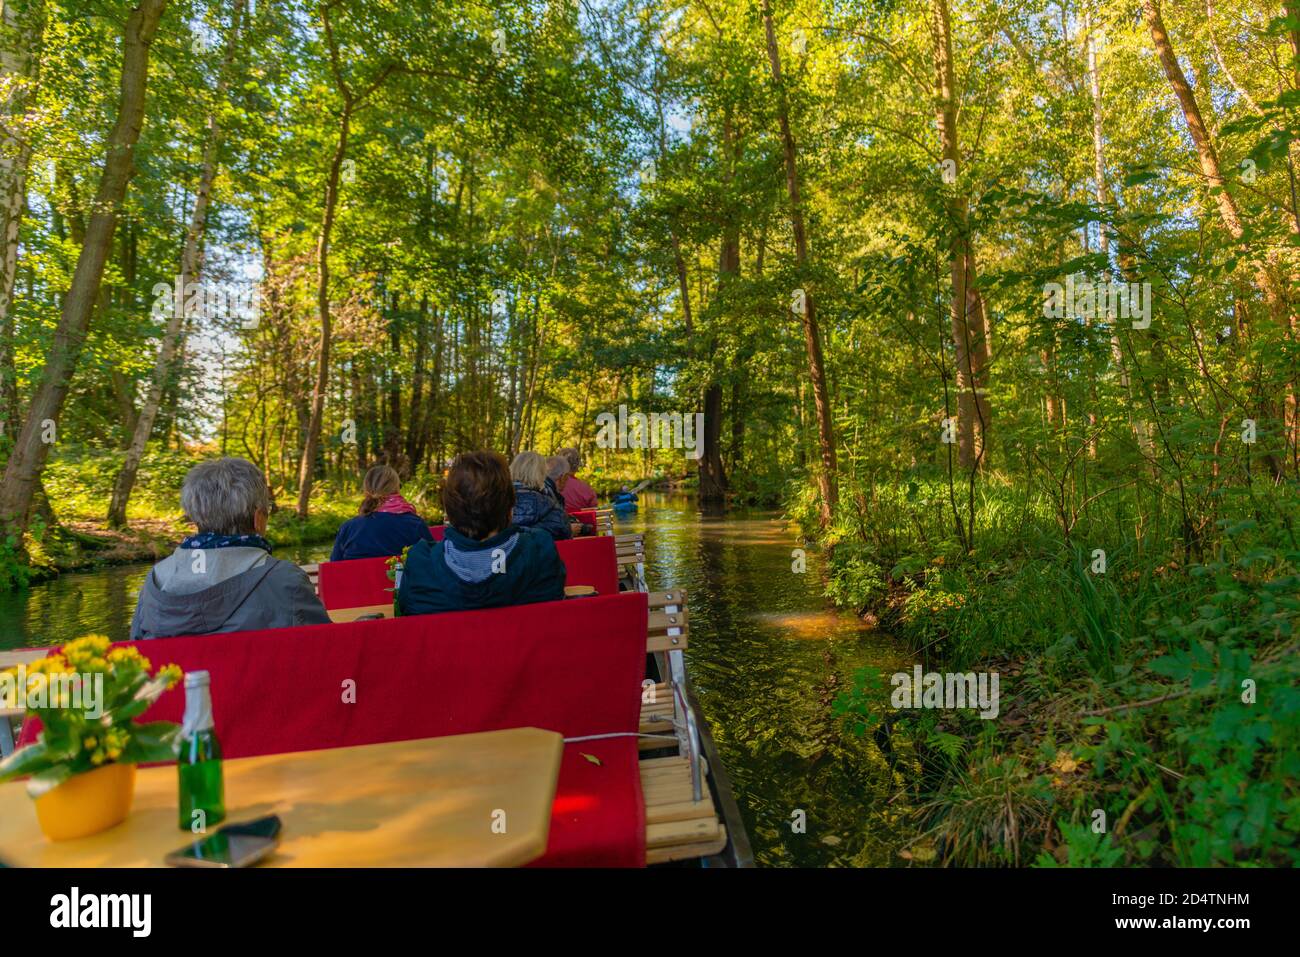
x,y
656,716
677,826
667,625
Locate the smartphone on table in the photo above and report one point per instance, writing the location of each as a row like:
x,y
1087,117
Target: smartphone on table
x,y
235,845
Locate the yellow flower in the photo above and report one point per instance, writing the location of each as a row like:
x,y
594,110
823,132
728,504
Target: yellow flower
x,y
89,743
97,757
85,652
52,665
114,753
122,656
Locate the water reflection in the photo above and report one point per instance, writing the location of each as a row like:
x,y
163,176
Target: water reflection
x,y
100,601
768,656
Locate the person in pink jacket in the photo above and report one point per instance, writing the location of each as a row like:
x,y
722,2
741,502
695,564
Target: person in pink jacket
x,y
577,493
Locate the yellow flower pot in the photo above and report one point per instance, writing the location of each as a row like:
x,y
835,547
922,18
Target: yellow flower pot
x,y
87,803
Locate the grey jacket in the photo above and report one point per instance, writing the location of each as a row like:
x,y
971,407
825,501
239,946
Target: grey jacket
x,y
213,590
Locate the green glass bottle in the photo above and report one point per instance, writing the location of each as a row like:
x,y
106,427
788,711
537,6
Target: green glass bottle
x,y
199,761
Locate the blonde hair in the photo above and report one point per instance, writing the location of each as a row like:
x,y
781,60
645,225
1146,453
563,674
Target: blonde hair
x,y
529,469
380,482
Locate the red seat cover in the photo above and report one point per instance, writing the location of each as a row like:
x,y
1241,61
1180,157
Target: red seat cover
x,y
587,516
354,583
573,667
590,561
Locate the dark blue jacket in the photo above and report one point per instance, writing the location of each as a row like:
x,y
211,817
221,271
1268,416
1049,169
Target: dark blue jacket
x,y
534,509
378,535
516,567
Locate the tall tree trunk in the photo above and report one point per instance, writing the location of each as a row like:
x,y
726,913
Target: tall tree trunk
x,y
191,270
415,432
32,445
713,479
311,442
969,332
826,477
1265,278
22,32
1141,432
352,101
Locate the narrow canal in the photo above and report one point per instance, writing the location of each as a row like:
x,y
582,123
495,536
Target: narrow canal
x,y
768,657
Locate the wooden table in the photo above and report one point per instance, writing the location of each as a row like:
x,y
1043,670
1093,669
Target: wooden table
x,y
386,610
429,802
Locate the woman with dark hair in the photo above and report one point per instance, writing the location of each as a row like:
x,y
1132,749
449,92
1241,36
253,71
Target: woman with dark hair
x,y
385,524
484,560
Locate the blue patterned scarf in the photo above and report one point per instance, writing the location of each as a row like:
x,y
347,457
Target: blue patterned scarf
x,y
215,540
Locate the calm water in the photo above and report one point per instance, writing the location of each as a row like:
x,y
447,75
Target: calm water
x,y
768,655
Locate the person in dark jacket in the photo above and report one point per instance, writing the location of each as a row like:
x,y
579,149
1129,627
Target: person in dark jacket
x,y
386,522
223,578
534,507
484,561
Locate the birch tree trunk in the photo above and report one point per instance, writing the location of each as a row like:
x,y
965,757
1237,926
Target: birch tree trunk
x,y
32,446
969,332
22,31
191,270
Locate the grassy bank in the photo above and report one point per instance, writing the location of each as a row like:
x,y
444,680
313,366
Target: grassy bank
x,y
1150,697
78,487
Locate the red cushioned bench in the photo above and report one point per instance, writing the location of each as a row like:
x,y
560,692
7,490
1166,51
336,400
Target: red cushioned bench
x,y
354,583
572,667
590,561
601,519
364,582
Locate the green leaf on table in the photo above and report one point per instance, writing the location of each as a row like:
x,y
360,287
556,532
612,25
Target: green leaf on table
x,y
29,760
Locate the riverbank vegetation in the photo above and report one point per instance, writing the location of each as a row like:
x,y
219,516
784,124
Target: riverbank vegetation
x,y
999,302
1148,712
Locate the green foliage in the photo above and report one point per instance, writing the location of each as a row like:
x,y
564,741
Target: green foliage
x,y
1166,658
1084,848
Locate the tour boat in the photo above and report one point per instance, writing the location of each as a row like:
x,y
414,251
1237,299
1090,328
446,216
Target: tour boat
x,y
640,781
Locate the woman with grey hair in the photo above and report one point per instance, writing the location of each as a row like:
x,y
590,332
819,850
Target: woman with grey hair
x,y
223,578
557,466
